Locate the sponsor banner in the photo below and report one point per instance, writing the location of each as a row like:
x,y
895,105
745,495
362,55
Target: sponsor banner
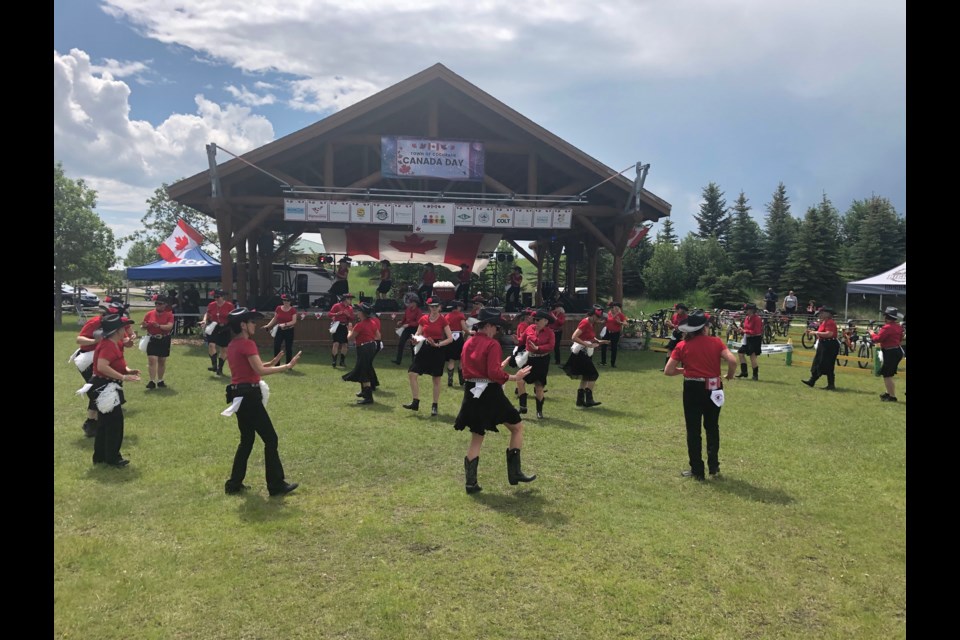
x,y
406,157
433,217
339,211
317,211
503,218
764,348
562,218
294,210
382,213
522,218
360,212
403,213
484,216
463,216
542,218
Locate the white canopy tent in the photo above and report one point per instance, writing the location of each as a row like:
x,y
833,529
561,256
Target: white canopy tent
x,y
892,282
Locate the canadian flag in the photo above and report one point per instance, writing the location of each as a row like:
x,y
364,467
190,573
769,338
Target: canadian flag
x,y
183,238
637,234
451,250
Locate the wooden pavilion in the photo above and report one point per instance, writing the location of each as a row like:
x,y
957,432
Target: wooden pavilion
x,y
339,158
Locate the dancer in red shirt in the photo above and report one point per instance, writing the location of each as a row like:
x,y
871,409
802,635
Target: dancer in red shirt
x,y
459,331
284,319
559,320
514,281
889,338
579,364
110,371
752,340
484,404
218,339
538,340
366,335
431,355
411,320
386,280
827,349
613,326
159,325
341,313
426,282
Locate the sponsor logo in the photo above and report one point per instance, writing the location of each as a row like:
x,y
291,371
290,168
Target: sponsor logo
x,y
381,214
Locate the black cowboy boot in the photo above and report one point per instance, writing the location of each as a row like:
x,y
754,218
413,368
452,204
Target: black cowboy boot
x,y
588,399
580,395
449,377
540,409
343,360
414,404
470,466
523,403
90,428
433,409
219,366
514,474
743,370
830,386
756,373
367,396
460,375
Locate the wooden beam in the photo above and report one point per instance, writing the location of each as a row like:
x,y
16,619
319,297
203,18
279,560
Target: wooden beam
x,y
242,271
494,184
371,179
286,244
532,173
223,215
252,224
523,252
591,271
596,233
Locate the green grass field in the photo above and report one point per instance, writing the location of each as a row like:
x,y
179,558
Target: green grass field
x,y
805,537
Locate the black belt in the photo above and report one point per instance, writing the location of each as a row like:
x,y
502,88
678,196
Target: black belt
x,y
244,386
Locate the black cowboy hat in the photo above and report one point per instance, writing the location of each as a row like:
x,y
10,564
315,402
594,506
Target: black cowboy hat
x,y
597,310
365,308
110,323
464,265
217,293
478,299
680,306
750,306
694,322
242,314
541,314
893,312
286,297
345,259
434,302
346,295
490,315
826,309
456,304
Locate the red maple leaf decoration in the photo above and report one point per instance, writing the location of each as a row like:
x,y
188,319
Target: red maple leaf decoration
x,y
405,168
182,242
413,244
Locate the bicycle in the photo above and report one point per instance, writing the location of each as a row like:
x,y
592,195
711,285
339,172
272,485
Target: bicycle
x,y
809,341
865,349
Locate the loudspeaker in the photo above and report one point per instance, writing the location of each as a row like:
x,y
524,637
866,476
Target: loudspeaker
x,y
385,305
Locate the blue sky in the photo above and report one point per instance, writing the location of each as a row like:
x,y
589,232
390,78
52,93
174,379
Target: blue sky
x,y
743,93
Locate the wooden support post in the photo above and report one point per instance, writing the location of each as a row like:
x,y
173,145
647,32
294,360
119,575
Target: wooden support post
x,y
253,270
591,271
222,214
574,252
542,251
242,270
266,268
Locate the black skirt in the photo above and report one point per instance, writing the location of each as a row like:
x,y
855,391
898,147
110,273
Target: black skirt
x,y
340,335
455,348
363,370
579,365
483,414
430,361
539,366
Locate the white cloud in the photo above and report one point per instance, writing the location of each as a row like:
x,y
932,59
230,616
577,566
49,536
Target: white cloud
x,y
247,97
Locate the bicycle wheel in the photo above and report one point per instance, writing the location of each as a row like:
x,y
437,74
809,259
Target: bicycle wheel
x,y
767,334
865,353
808,341
843,355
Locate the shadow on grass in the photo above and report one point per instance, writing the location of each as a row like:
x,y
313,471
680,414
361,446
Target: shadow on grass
x,y
105,474
749,491
526,504
549,421
256,507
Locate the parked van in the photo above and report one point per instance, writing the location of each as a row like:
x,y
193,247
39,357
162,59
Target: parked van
x,y
309,283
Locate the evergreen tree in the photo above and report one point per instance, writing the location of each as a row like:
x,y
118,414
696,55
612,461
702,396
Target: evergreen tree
x,y
666,233
879,243
702,257
778,239
714,218
744,243
664,273
813,265
634,261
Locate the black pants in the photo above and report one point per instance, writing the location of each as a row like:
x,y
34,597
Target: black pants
x,y
283,340
825,360
425,291
463,293
252,420
404,339
512,297
556,345
699,409
614,339
106,445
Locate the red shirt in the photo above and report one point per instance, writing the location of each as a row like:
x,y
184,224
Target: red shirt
x,y
464,276
341,312
433,329
521,329
429,277
830,326
160,317
411,316
219,314
89,327
342,272
238,357
677,319
560,320
283,317
614,322
889,336
365,331
110,351
585,327
752,325
515,279
376,323
700,356
481,358
537,341
455,319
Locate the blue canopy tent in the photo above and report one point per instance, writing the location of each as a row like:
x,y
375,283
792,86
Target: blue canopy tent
x,y
194,266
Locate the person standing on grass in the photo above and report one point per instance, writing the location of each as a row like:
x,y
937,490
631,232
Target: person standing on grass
x,y
484,404
342,314
559,320
246,374
828,346
284,319
431,355
459,331
889,338
366,335
159,324
752,340
538,340
679,317
88,339
770,300
217,312
613,327
110,371
579,364
411,320
523,321
700,356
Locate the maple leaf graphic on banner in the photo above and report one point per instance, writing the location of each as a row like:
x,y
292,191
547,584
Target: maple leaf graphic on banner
x,y
413,244
182,242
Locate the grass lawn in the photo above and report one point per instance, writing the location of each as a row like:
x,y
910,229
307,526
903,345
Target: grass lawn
x,y
805,537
